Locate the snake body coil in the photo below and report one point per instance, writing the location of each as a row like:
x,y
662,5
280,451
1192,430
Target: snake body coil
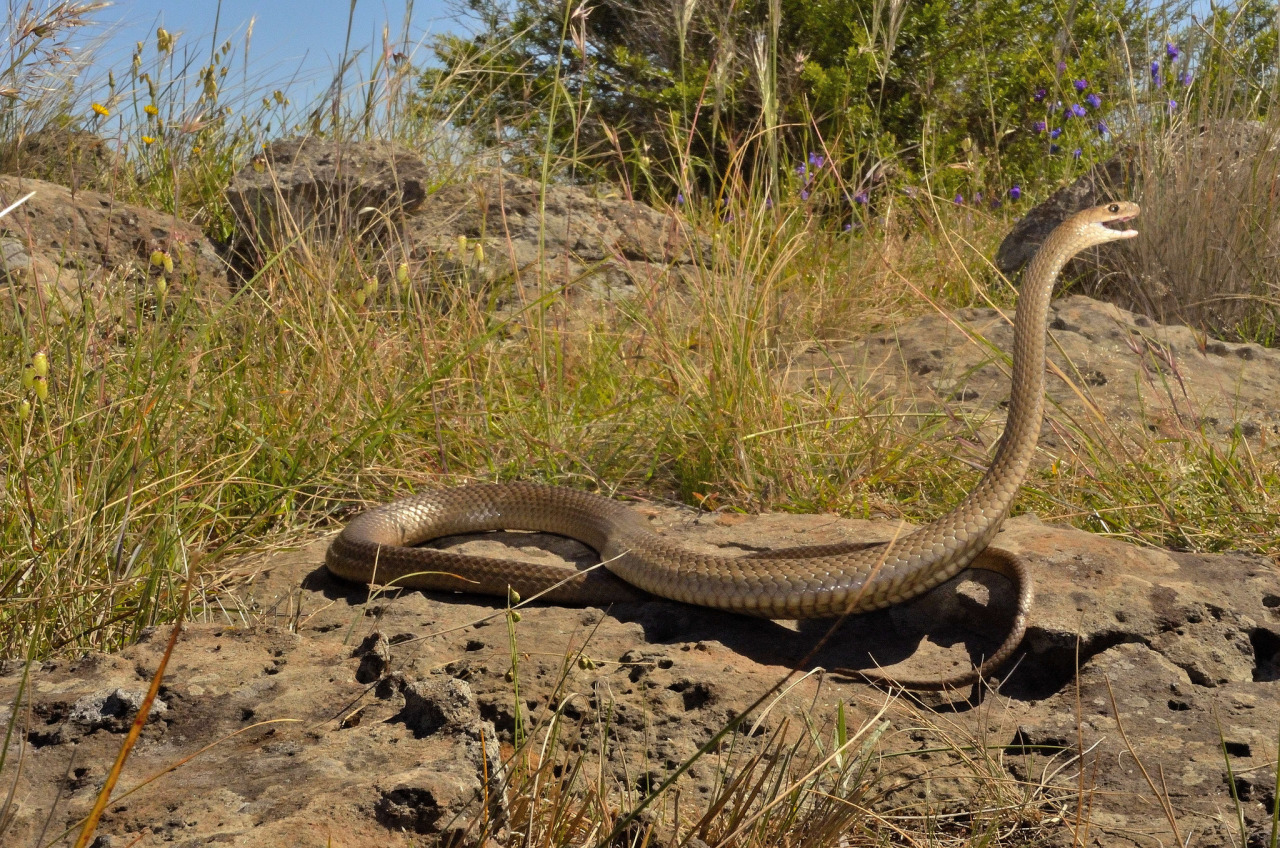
x,y
802,582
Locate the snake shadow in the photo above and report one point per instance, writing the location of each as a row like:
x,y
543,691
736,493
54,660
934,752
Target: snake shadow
x,y
916,639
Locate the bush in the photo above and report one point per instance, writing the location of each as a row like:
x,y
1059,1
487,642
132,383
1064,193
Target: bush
x,y
666,96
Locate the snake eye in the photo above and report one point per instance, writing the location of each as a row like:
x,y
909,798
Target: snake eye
x,y
1113,208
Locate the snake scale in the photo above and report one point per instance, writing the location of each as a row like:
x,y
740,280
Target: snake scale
x,y
805,582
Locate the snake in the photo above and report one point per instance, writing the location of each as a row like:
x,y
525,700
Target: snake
x,y
378,546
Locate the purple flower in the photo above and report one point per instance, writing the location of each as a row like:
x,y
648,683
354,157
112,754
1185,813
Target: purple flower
x,y
1015,192
1040,95
1075,154
1155,71
996,204
801,170
1094,101
1039,127
1053,148
1103,129
1077,110
977,198
1054,133
680,198
959,199
1062,67
1171,50
1173,104
1186,78
862,197
1081,85
804,194
768,203
817,160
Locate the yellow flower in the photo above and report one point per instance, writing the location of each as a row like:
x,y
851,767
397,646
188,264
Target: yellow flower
x,y
150,109
146,139
101,110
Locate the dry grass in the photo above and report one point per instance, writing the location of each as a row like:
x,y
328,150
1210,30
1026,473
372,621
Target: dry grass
x,y
1209,251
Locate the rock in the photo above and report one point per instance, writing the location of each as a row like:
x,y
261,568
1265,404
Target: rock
x,y
1126,371
442,796
327,190
1139,719
113,709
290,765
441,705
42,284
62,249
73,158
1104,182
495,232
602,248
1213,618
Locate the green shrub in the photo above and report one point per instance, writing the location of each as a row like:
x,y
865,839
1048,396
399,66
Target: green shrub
x,y
946,91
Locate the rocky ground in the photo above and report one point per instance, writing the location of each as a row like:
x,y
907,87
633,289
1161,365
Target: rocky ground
x,y
314,714
1112,373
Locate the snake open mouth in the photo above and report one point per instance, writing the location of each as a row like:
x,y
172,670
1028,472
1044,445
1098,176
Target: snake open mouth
x,y
1116,226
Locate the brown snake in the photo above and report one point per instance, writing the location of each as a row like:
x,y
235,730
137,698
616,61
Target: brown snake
x,y
804,582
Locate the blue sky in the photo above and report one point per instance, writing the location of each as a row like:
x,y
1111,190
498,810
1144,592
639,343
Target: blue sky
x,y
288,35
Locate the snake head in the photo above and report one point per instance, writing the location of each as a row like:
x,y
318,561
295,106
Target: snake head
x,y
1097,225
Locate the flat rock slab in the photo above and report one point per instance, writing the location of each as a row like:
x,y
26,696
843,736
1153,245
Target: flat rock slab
x,y
399,694
1124,372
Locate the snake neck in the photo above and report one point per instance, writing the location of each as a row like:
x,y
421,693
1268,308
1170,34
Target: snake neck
x,y
1017,445
984,509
